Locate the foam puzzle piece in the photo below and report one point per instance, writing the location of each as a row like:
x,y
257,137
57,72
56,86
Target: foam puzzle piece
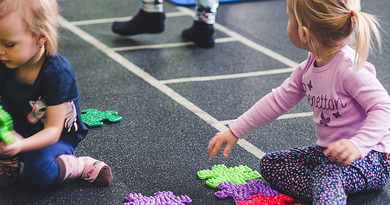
x,y
242,192
6,125
94,118
263,200
159,198
220,173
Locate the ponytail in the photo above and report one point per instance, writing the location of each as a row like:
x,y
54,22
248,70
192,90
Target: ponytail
x,y
364,25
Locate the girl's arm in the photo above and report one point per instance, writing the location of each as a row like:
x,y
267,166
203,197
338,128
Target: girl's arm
x,y
268,108
366,89
42,139
271,106
374,99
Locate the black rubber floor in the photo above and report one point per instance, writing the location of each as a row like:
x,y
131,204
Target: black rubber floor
x,y
174,96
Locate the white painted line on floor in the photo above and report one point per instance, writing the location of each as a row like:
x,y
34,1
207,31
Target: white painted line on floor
x,y
154,46
111,20
248,42
228,76
155,83
285,116
169,45
100,21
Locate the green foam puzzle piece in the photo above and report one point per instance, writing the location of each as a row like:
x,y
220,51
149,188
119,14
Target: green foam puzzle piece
x,y
220,173
94,118
6,125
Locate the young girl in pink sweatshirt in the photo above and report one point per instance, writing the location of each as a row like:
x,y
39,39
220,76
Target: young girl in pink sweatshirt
x,y
351,108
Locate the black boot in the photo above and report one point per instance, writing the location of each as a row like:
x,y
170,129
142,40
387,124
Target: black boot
x,y
201,34
142,22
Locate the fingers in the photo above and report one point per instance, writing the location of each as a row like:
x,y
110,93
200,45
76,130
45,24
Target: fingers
x,y
345,159
336,154
214,146
220,139
3,149
338,158
227,149
210,147
342,152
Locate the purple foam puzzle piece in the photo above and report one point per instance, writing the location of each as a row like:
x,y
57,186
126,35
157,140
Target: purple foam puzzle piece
x,y
243,192
159,198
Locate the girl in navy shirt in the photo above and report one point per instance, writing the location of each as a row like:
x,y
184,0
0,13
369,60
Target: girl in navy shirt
x,y
38,88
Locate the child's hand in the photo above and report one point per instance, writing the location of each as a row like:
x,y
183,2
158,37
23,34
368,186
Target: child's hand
x,y
342,152
226,138
12,149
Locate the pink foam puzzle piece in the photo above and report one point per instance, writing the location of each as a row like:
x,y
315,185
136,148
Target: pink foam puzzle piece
x,y
260,199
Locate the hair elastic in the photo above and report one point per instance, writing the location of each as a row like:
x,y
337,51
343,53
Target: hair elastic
x,y
352,12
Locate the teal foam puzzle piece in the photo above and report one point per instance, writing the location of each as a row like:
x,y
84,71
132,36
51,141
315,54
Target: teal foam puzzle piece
x,y
94,118
220,173
6,125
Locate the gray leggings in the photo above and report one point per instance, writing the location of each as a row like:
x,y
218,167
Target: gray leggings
x,y
206,10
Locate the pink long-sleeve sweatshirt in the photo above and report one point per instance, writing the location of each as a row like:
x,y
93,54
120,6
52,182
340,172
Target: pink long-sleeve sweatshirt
x,y
347,103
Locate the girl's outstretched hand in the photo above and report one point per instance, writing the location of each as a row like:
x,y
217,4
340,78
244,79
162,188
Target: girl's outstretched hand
x,y
342,152
226,138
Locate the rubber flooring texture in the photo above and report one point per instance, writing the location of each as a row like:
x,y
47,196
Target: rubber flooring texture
x,y
174,96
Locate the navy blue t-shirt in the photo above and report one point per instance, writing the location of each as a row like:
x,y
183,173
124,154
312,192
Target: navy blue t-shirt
x,y
55,84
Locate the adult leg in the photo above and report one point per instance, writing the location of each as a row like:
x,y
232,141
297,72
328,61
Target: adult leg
x,y
202,31
149,19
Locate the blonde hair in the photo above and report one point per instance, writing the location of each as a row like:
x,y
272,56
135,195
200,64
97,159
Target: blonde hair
x,y
40,17
333,21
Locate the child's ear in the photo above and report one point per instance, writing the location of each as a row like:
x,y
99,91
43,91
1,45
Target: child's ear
x,y
41,40
305,35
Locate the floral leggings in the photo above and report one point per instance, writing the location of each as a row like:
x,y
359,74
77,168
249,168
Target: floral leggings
x,y
308,174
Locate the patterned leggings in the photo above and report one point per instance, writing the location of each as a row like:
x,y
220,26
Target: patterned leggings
x,y
308,174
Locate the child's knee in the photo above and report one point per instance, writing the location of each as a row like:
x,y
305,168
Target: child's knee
x,y
41,176
324,174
